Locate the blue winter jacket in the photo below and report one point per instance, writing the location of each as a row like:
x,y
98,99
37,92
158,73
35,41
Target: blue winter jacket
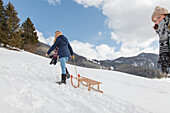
x,y
64,48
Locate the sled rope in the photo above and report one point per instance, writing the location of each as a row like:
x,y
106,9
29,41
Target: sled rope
x,y
76,74
75,65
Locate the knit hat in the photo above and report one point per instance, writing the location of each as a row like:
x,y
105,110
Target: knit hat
x,y
159,11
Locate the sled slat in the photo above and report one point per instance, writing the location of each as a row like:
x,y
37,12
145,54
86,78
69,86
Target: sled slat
x,y
89,83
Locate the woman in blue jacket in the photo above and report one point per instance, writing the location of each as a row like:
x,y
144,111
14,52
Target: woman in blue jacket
x,y
64,51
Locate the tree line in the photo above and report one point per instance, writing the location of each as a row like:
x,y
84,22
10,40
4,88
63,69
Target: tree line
x,y
11,33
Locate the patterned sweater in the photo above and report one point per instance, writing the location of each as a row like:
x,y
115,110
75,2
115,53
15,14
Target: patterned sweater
x,y
164,35
55,52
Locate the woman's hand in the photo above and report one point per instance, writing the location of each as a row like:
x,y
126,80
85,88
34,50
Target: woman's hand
x,y
46,54
72,56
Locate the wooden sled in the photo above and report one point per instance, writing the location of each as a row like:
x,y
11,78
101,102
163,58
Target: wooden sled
x,y
89,83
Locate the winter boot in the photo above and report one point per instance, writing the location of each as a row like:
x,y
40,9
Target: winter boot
x,y
63,81
68,75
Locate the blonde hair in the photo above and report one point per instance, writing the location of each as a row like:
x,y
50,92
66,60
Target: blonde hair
x,y
59,32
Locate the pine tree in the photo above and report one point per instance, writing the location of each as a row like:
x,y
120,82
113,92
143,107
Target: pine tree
x,y
2,21
29,33
12,36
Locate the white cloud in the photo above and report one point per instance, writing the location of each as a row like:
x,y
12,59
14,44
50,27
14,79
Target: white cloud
x,y
99,33
53,2
103,51
41,37
50,40
88,50
114,37
130,21
84,49
88,3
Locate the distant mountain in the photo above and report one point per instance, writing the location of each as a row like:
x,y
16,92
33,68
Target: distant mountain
x,y
147,60
144,64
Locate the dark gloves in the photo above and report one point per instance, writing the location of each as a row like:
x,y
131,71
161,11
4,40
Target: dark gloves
x,y
51,56
54,60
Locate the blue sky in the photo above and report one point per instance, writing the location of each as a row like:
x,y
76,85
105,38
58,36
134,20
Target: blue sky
x,y
75,21
98,29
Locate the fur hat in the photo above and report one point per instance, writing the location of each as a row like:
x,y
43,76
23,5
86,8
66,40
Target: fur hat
x,y
159,11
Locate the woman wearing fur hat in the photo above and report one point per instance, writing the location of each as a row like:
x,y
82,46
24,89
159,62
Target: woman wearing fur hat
x,y
64,51
161,18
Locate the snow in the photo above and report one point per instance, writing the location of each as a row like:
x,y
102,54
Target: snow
x,y
152,64
112,68
27,85
135,64
91,60
118,61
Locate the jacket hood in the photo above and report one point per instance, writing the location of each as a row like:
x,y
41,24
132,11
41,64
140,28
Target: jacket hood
x,y
63,38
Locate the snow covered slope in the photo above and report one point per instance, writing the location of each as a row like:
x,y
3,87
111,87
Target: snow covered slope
x,y
27,85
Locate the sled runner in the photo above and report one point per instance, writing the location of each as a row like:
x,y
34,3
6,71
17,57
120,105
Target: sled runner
x,y
86,82
82,80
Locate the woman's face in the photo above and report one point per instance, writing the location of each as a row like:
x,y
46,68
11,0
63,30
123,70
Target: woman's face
x,y
56,34
158,18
